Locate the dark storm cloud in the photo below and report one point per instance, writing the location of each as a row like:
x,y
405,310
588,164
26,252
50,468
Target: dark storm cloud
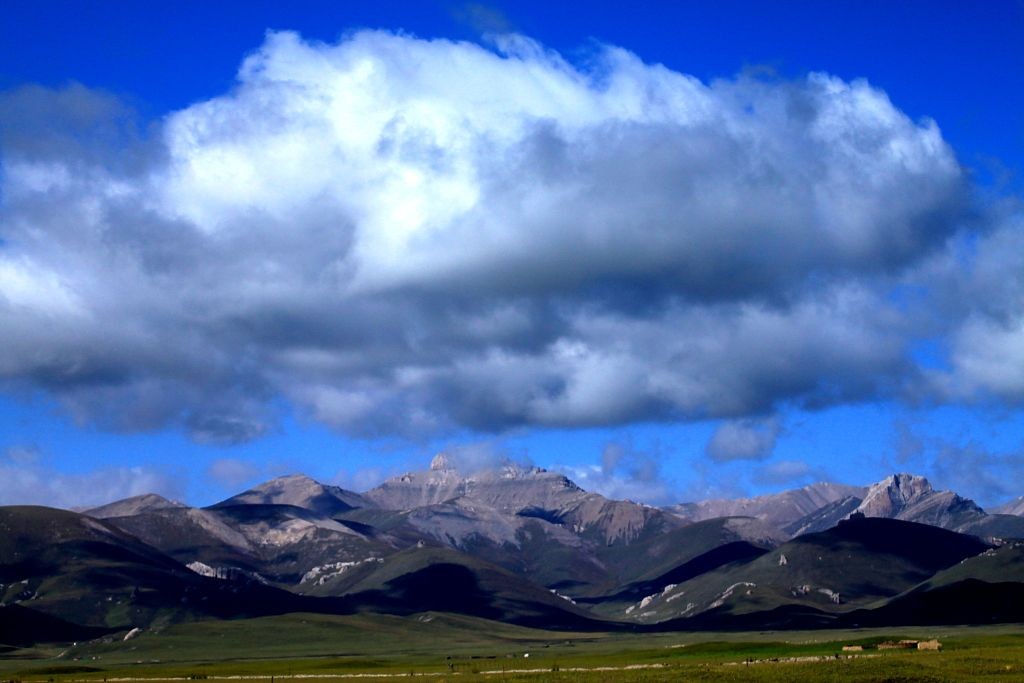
x,y
406,237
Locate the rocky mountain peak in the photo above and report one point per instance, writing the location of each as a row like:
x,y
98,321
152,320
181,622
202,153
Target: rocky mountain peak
x,y
441,462
1014,507
510,486
133,506
300,491
893,494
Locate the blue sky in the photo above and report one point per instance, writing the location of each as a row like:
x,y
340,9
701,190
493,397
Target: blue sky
x,y
798,261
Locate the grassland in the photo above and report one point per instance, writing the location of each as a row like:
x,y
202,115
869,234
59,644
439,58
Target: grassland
x,y
448,647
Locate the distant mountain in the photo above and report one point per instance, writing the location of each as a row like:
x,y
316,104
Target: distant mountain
x,y
779,509
526,519
913,499
515,543
1014,507
520,491
532,522
133,506
300,491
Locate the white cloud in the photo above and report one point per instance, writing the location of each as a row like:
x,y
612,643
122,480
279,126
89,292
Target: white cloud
x,y
364,479
232,472
404,236
25,479
625,473
788,473
747,439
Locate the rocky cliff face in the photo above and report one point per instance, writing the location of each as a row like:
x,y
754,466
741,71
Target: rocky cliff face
x,y
891,496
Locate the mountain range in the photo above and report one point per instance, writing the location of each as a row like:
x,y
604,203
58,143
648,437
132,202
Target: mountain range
x,y
518,544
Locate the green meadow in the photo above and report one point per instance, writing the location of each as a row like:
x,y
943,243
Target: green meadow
x,y
449,647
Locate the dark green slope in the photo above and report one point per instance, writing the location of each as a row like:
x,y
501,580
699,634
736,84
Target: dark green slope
x,y
997,526
986,588
736,552
970,601
23,627
89,573
444,580
1004,564
857,564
